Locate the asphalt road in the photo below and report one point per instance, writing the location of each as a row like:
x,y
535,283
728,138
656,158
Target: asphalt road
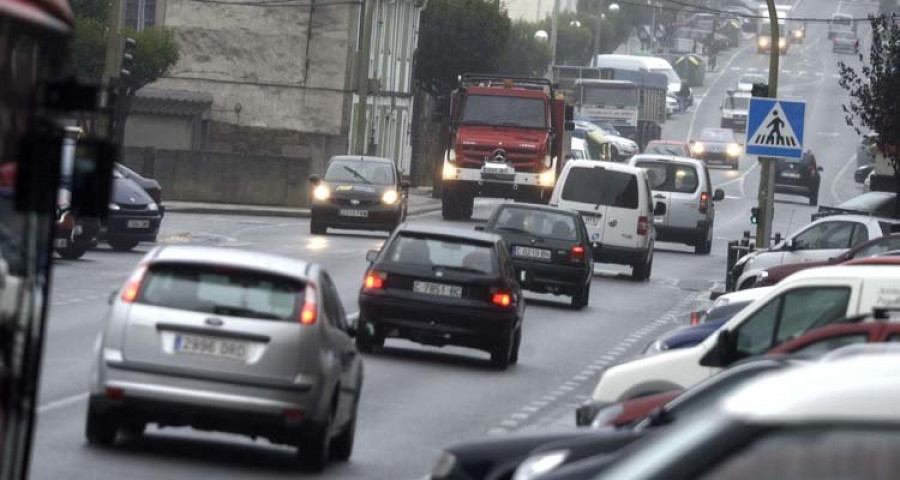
x,y
417,400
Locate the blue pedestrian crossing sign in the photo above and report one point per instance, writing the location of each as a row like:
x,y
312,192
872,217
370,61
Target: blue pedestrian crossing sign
x,y
775,128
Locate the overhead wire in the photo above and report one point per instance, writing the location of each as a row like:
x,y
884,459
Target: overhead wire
x,y
726,13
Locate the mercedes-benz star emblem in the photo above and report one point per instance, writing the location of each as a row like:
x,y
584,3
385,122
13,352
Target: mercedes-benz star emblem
x,y
354,201
438,273
499,155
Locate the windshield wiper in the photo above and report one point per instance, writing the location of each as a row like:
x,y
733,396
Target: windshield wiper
x,y
357,175
459,269
243,312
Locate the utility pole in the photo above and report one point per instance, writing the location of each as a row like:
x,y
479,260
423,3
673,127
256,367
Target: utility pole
x,y
767,173
554,30
113,44
362,78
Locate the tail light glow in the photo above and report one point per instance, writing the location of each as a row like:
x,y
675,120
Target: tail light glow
x,y
704,202
643,226
309,311
133,285
695,318
502,299
374,280
577,253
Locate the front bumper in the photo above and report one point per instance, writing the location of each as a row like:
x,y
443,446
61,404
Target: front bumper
x,y
378,216
718,158
513,185
428,322
142,226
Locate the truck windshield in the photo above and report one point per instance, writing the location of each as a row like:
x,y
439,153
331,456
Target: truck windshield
x,y
505,111
600,95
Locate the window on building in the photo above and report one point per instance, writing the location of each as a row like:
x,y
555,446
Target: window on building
x,y
140,14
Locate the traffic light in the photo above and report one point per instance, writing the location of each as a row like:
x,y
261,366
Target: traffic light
x,y
760,90
754,215
128,46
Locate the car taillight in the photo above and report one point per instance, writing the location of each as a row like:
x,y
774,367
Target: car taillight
x,y
309,311
502,299
643,226
695,318
577,253
704,202
374,280
133,285
66,222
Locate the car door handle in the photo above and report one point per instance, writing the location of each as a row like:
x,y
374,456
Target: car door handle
x,y
659,196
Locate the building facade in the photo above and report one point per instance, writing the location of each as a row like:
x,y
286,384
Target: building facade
x,y
534,10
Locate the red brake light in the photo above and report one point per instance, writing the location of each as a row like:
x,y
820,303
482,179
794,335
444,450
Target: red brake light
x,y
577,253
643,226
309,311
374,281
502,299
704,202
695,318
133,285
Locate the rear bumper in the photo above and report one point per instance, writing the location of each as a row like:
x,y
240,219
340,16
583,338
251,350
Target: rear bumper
x,y
430,323
795,189
681,234
557,279
380,217
619,255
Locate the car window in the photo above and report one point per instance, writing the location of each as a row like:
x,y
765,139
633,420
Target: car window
x,y
541,223
754,336
657,174
600,186
361,172
806,309
826,235
826,345
222,291
888,228
883,245
860,235
578,154
685,179
825,452
666,177
332,303
438,252
663,149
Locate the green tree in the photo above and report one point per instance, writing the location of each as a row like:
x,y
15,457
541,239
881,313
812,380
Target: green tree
x,y
458,36
874,104
524,54
574,38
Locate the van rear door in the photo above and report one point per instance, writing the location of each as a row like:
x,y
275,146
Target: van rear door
x,y
581,191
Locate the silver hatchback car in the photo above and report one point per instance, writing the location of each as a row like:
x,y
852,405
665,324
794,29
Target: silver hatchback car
x,y
232,341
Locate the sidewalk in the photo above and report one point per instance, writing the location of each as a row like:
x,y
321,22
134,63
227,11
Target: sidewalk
x,y
419,202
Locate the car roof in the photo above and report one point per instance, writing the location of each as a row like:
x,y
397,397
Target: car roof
x,y
667,158
868,272
616,167
361,158
854,218
538,207
230,257
860,389
884,261
452,232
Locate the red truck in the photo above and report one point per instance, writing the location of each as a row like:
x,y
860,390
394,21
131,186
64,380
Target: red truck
x,y
508,138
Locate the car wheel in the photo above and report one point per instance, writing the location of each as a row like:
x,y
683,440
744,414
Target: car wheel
x,y
517,341
122,245
342,445
317,228
501,354
449,204
704,243
100,428
315,446
581,297
73,252
641,273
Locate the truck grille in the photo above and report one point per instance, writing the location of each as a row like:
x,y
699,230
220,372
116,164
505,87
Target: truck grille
x,y
520,159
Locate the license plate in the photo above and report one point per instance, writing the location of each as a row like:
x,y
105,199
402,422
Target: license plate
x,y
138,224
591,220
354,213
439,289
497,168
211,347
60,243
529,252
790,175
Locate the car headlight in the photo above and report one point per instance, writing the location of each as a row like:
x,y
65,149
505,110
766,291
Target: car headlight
x,y
798,33
547,178
763,41
153,207
390,197
658,346
321,193
698,147
733,150
548,160
444,466
449,171
114,206
540,464
782,42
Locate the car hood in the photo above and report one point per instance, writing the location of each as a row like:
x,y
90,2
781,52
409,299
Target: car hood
x,y
126,192
676,369
621,141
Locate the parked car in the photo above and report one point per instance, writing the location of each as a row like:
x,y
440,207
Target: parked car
x,y
820,240
616,204
358,192
803,302
442,286
233,341
550,249
878,204
706,322
874,247
73,234
832,337
675,148
684,186
799,177
845,41
799,423
151,186
133,217
717,146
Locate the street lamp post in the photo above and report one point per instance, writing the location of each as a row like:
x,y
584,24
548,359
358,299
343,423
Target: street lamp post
x,y
613,8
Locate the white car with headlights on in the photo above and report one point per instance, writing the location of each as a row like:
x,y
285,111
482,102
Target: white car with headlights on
x,y
717,146
358,193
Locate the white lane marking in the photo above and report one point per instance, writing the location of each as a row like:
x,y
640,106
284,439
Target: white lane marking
x,y
787,71
711,86
735,69
837,178
752,69
63,402
801,72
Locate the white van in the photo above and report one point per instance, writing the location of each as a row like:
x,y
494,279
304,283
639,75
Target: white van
x,y
683,184
615,202
638,63
798,304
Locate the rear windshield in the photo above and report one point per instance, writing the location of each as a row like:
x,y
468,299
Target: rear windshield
x,y
438,252
665,149
560,226
221,291
599,186
667,177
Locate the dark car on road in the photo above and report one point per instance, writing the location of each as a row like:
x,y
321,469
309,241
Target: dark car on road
x,y
133,217
717,146
550,249
151,186
443,286
879,204
799,177
358,193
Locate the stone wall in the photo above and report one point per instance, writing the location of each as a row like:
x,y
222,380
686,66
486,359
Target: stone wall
x,y
218,177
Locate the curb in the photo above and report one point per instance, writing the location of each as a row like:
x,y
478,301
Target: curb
x,y
273,212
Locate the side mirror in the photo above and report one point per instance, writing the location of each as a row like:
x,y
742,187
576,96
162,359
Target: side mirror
x,y
722,354
479,228
659,209
789,245
372,255
112,297
314,179
718,195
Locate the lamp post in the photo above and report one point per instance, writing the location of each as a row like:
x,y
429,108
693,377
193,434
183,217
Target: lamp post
x,y
613,8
